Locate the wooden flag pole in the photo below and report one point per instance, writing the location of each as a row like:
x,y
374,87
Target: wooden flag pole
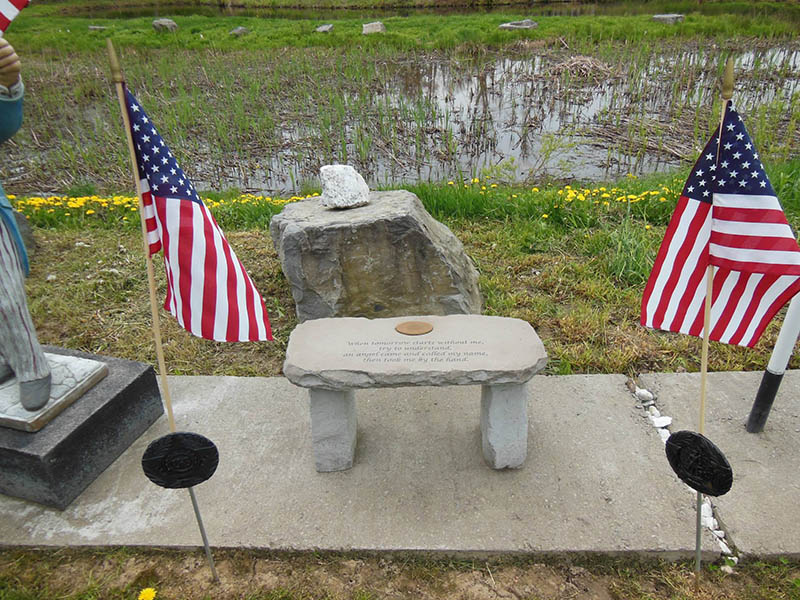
x,y
702,423
727,94
116,75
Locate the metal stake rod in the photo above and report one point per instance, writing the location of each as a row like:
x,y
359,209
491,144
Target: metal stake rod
x,y
698,540
203,533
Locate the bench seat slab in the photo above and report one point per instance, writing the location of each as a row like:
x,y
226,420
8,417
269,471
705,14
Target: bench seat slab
x,y
350,353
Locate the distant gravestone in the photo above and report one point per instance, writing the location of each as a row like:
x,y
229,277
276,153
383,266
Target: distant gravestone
x,y
327,28
239,31
524,24
165,25
387,258
375,27
669,19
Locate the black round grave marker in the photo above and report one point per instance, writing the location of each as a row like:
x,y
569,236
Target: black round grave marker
x,y
699,463
180,460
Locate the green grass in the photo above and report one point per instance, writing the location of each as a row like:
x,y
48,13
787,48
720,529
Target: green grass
x,y
577,276
120,574
35,32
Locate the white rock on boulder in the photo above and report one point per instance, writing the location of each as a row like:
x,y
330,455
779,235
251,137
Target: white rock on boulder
x,y
342,187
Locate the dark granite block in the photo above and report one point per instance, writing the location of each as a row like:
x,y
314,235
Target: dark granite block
x,y
52,466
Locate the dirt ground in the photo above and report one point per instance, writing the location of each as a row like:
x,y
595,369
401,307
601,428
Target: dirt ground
x,y
253,575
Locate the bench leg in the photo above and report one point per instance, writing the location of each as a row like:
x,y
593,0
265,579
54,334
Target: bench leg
x,y
504,425
333,429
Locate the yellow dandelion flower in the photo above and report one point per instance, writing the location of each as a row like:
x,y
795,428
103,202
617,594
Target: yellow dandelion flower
x,y
662,199
147,594
647,226
545,215
494,185
535,189
450,183
90,212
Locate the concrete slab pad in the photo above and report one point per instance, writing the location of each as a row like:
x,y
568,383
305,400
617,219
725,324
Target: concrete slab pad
x,y
595,479
760,513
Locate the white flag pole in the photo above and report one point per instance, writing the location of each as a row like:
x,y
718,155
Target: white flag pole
x,y
773,375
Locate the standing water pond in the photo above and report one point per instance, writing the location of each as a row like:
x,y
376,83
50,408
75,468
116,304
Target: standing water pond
x,y
265,120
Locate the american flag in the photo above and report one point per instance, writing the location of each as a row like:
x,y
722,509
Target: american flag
x,y
728,216
8,10
208,290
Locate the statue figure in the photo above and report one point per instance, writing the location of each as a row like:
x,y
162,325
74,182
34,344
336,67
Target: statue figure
x,y
20,352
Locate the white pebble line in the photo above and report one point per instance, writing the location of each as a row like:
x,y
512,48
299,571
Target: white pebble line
x,y
662,423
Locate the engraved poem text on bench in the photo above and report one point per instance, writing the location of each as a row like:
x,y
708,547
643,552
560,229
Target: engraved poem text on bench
x,y
415,351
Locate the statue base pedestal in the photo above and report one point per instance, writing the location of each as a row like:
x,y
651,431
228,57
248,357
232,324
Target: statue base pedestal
x,y
71,378
50,456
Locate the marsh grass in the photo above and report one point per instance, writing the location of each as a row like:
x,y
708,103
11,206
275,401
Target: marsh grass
x,y
265,111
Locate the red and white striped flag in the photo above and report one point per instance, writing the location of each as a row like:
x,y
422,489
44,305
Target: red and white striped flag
x,y
9,9
208,290
728,216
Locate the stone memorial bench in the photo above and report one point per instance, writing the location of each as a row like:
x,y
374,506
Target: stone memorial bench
x,y
334,356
